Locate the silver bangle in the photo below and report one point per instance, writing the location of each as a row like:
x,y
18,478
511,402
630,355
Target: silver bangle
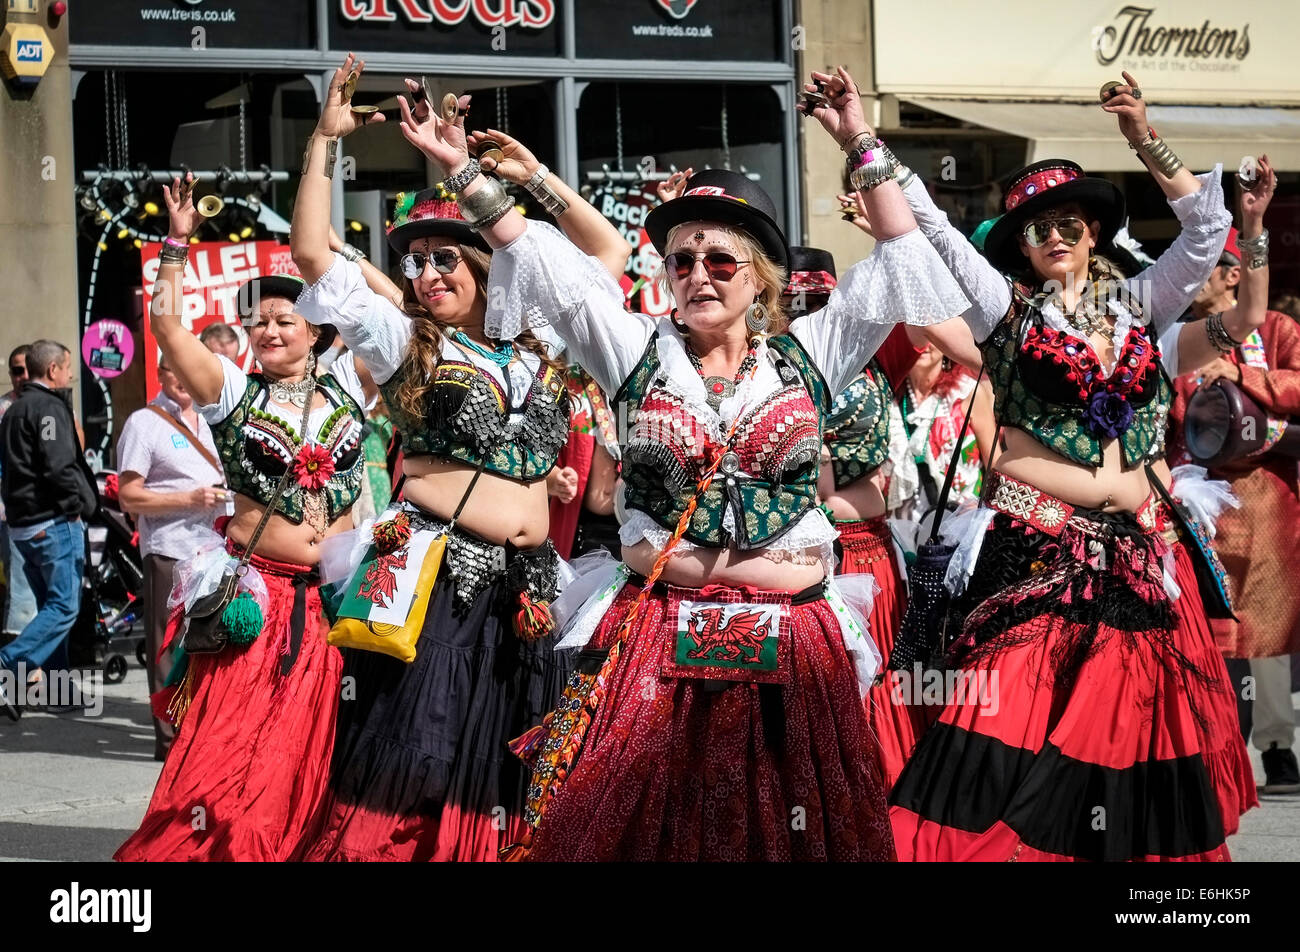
x,y
494,216
1256,250
485,201
546,196
454,183
880,166
352,253
904,175
331,155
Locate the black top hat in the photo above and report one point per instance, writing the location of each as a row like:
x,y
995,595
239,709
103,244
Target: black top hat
x,y
252,293
1044,185
726,197
429,213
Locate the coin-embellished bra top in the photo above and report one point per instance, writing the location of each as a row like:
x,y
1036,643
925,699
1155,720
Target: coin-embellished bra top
x,y
857,429
469,417
255,443
766,481
1050,384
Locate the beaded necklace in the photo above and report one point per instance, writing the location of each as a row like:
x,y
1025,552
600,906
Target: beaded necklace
x,y
501,356
718,389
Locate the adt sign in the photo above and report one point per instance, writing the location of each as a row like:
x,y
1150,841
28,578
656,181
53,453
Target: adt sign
x,y
25,53
30,51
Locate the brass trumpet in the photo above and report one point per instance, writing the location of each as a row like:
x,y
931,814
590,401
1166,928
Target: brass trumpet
x,y
209,206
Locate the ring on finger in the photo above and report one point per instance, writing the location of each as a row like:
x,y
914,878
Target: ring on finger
x,y
1137,93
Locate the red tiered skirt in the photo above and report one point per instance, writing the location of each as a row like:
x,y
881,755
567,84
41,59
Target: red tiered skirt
x,y
869,549
1109,732
686,769
248,769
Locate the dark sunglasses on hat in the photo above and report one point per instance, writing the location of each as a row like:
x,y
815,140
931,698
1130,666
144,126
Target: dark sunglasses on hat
x,y
1039,231
444,260
720,265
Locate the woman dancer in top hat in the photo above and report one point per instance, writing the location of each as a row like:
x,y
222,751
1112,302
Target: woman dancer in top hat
x,y
1090,720
256,721
730,702
421,770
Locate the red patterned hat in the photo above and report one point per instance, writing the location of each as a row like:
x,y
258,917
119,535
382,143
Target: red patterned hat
x,y
1231,247
1040,187
426,213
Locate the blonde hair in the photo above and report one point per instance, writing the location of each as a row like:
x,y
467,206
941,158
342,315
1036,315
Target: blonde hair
x,y
769,274
424,352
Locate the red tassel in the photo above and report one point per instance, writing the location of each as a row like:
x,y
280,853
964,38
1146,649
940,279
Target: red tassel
x,y
525,746
533,620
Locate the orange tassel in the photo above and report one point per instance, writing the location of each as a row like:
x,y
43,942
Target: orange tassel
x,y
184,696
533,620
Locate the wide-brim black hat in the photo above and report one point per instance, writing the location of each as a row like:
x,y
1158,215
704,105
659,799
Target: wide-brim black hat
x,y
725,197
427,214
1044,185
252,293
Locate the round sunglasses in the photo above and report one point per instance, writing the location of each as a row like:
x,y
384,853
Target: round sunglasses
x,y
1038,232
719,265
444,260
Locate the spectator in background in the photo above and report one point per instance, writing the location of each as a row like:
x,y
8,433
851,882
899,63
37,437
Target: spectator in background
x,y
48,490
221,339
20,604
170,480
1288,304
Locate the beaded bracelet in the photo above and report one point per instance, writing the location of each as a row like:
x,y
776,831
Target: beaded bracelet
x,y
1219,337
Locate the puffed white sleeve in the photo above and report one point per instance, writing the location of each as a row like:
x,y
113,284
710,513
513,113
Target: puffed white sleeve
x,y
233,384
344,370
369,323
542,279
903,280
1169,342
1166,289
983,284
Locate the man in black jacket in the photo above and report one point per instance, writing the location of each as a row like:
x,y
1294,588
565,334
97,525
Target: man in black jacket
x,y
48,491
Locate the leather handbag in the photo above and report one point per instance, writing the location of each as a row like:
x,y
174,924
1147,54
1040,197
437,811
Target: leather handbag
x,y
922,635
1223,424
204,632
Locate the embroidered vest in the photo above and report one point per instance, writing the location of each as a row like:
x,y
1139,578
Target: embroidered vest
x,y
1050,385
255,444
857,429
769,484
467,414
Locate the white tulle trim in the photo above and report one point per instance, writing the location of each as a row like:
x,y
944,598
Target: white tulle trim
x,y
538,275
1204,498
903,280
812,531
199,576
965,529
851,598
597,578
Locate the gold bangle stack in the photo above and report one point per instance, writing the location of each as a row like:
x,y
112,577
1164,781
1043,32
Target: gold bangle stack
x,y
1162,157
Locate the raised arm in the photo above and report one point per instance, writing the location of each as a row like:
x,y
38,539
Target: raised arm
x,y
197,368
580,221
1196,346
376,280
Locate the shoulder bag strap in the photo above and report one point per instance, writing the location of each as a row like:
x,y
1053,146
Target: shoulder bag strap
x,y
279,489
190,435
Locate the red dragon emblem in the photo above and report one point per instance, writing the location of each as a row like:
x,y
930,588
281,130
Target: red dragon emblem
x,y
380,583
678,8
742,636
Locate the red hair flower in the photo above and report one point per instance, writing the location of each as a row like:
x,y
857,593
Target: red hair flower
x,y
313,466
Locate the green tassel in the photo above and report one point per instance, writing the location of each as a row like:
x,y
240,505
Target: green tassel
x,y
242,619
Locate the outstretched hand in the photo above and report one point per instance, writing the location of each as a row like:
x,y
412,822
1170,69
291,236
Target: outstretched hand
x,y
842,115
1127,104
853,204
518,164
673,186
443,143
1255,200
185,218
336,116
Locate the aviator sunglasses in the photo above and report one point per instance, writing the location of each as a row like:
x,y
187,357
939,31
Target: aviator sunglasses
x,y
1039,231
444,260
720,265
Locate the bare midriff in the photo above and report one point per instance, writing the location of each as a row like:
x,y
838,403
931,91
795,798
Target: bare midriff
x,y
860,499
1109,486
499,509
697,567
281,540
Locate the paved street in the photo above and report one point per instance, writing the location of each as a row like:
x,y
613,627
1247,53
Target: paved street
x,y
73,788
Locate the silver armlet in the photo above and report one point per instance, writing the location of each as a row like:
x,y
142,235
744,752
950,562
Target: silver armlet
x,y
486,205
1256,250
878,166
1162,157
331,155
546,196
352,253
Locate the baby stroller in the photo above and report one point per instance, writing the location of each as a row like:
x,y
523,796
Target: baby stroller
x,y
111,591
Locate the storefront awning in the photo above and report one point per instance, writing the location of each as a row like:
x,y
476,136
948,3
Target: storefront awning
x,y
1201,135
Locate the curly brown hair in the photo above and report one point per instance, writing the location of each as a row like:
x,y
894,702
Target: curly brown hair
x,y
424,352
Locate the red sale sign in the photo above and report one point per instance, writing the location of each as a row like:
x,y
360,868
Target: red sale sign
x,y
213,275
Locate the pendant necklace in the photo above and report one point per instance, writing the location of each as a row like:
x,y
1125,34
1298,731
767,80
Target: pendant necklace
x,y
717,389
501,355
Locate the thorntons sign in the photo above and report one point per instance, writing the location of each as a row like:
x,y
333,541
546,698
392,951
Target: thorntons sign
x,y
1132,34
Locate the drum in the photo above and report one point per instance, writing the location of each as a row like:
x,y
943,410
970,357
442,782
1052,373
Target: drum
x,y
1223,424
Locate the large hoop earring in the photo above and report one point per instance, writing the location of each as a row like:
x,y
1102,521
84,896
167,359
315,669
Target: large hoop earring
x,y
757,319
680,325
